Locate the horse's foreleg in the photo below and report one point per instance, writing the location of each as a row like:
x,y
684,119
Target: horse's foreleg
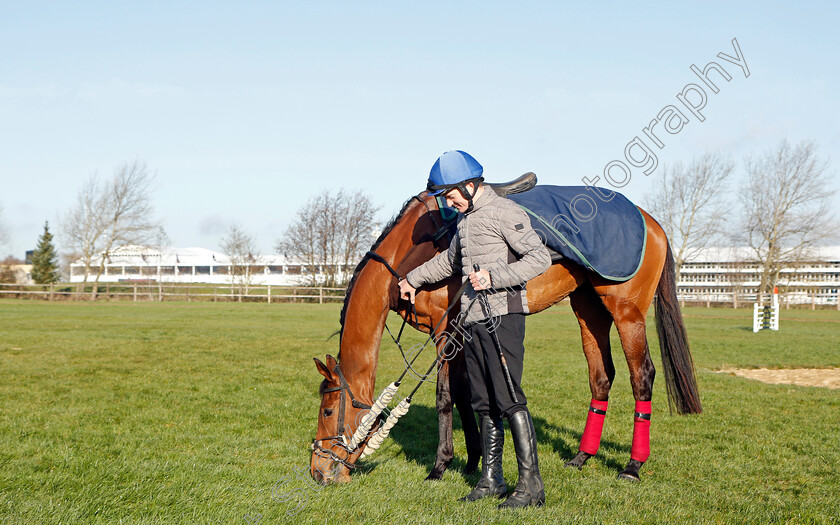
x,y
459,383
445,450
595,323
630,323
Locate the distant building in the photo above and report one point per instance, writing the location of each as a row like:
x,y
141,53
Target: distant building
x,y
22,273
199,265
733,274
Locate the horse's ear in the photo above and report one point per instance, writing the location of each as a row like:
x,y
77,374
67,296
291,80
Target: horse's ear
x,y
331,362
326,372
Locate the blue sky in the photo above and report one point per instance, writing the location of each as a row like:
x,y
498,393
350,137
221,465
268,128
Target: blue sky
x,y
246,110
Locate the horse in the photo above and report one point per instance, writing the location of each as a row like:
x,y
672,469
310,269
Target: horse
x,y
415,235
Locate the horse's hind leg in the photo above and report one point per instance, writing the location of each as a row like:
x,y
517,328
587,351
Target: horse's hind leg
x,y
630,322
595,323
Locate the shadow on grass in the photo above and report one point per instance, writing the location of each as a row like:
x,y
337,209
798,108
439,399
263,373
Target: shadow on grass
x,y
417,435
559,438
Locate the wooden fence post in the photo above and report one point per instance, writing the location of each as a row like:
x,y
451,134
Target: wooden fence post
x,y
52,289
269,294
320,295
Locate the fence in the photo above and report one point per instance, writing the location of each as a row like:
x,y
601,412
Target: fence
x,y
811,299
153,291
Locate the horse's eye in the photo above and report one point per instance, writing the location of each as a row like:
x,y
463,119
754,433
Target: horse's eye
x,y
328,412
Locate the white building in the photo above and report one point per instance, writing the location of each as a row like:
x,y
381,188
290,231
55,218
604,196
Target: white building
x,y
733,274
199,265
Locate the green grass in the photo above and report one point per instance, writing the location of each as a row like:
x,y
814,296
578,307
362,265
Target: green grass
x,y
203,413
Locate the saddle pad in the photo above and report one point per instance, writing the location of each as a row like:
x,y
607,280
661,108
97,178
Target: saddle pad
x,y
608,239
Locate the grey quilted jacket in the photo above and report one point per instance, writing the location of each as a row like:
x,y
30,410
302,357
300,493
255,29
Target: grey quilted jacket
x,y
497,235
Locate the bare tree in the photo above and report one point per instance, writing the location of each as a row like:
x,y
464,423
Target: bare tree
x,y
108,215
785,210
83,226
9,274
331,231
240,247
301,239
688,202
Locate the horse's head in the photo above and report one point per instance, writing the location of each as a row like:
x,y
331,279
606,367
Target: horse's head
x,y
333,454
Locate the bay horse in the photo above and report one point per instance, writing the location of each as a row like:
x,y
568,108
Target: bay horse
x,y
416,235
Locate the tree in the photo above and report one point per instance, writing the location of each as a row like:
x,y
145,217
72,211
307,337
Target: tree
x,y
110,214
45,259
240,248
688,201
785,208
331,231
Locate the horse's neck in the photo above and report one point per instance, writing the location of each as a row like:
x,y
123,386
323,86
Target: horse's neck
x,y
364,321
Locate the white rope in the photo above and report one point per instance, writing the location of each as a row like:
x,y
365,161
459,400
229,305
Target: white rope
x,y
377,439
370,417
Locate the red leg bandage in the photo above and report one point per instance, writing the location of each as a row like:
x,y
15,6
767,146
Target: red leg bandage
x,y
641,432
591,439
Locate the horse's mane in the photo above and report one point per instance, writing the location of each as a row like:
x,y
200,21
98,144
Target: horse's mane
x,y
385,231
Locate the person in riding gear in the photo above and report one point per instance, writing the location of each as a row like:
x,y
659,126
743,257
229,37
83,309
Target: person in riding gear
x,y
494,235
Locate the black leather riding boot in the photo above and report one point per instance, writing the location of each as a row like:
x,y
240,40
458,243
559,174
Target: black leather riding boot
x,y
529,488
492,482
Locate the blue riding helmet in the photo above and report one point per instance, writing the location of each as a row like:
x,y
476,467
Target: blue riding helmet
x,y
454,169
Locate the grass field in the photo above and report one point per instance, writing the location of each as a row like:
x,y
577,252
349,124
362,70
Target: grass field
x,y
203,413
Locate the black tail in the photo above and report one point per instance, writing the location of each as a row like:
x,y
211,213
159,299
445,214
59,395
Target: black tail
x,y
680,380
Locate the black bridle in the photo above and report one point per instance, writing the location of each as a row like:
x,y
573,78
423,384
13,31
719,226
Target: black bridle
x,y
339,438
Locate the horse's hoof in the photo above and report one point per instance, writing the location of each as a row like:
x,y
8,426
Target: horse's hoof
x,y
629,476
631,472
578,461
434,475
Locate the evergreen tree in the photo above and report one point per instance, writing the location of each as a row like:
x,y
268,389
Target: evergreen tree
x,y
45,259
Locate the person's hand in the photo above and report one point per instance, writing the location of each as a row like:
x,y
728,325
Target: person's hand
x,y
406,290
480,280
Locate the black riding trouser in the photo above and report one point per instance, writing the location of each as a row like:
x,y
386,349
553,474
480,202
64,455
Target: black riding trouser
x,y
488,388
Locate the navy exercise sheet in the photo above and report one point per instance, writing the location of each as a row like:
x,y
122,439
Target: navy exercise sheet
x,y
608,239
